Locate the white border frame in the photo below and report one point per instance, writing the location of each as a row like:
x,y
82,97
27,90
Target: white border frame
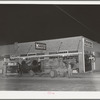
x,y
53,2
50,94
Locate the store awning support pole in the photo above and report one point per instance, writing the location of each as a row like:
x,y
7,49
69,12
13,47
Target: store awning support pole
x,y
29,50
59,56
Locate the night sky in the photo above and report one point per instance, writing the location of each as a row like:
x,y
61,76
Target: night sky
x,y
24,23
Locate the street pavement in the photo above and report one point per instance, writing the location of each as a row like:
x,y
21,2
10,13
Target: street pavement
x,y
78,82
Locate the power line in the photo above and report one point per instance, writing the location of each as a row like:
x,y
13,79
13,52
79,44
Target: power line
x,y
65,12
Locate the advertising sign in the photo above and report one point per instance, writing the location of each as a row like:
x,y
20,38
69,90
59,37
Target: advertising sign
x,y
40,46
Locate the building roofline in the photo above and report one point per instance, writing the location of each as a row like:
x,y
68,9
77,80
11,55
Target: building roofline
x,y
51,39
45,40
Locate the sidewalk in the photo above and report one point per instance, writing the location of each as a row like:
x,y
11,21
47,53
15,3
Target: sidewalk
x,y
74,76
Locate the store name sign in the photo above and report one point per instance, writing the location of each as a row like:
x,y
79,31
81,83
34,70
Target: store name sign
x,y
40,46
88,43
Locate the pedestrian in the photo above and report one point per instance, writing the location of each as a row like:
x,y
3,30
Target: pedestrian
x,y
69,70
19,69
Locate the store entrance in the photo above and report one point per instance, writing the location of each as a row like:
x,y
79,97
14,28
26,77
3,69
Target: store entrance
x,y
88,63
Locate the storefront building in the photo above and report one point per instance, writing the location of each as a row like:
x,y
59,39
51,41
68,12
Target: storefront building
x,y
85,52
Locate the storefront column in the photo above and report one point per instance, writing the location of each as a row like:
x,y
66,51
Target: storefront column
x,y
81,58
81,64
83,55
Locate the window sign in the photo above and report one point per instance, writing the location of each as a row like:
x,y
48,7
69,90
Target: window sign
x,y
40,46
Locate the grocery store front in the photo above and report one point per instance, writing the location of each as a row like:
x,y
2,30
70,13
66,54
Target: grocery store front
x,y
43,57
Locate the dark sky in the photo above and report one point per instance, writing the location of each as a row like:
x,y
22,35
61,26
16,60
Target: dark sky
x,y
23,23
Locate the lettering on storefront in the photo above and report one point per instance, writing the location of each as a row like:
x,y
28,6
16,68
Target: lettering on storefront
x,y
40,46
88,43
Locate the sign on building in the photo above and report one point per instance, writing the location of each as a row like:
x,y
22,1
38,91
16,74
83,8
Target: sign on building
x,y
40,46
88,43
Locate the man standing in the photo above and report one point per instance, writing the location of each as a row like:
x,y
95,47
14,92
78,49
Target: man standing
x,y
69,70
68,66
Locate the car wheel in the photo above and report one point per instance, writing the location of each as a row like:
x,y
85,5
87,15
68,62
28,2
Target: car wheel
x,y
53,73
31,73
